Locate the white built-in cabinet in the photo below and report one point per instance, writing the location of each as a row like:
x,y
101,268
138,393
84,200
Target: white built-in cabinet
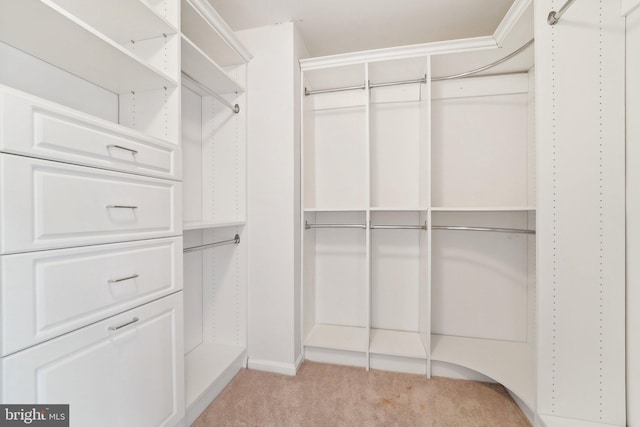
x,y
95,100
214,204
419,216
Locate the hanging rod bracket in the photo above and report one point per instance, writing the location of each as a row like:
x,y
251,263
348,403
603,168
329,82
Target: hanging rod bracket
x,y
554,17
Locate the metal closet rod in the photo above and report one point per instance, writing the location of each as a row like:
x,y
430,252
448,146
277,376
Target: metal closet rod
x,y
422,227
308,92
490,229
233,107
554,17
486,67
235,240
398,227
308,226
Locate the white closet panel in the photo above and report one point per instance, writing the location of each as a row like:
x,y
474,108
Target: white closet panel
x,y
341,271
48,293
124,370
47,205
34,127
480,279
340,150
480,145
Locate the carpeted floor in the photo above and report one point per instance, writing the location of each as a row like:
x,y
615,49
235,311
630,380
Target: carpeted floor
x,y
329,395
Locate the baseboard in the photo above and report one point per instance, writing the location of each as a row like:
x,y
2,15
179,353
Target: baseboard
x,y
528,412
299,361
275,367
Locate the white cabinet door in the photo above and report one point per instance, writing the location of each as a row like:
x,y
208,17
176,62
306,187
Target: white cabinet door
x,y
45,294
35,127
47,205
127,370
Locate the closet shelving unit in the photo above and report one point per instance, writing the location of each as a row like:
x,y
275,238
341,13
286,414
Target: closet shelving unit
x,y
214,145
441,174
90,94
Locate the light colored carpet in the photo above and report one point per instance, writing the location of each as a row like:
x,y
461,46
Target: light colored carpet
x,y
329,395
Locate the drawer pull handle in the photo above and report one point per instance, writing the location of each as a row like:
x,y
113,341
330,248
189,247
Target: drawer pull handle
x,y
121,207
131,322
134,152
133,276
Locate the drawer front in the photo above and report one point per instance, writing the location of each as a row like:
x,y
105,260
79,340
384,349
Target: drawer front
x,y
45,294
118,372
35,127
48,205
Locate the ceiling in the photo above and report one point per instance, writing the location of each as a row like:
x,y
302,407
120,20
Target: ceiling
x,y
331,27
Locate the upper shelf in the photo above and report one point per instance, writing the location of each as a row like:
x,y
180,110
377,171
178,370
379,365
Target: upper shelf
x,y
204,27
121,20
199,67
74,46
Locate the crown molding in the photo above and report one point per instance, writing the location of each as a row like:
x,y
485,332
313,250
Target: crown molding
x,y
400,52
515,12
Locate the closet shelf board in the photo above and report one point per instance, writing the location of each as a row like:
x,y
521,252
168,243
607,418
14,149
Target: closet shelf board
x,y
398,209
397,343
212,224
209,40
72,45
205,71
510,363
206,364
336,337
121,20
484,209
336,209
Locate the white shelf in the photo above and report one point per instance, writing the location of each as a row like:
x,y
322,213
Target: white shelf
x,y
74,46
484,209
216,46
120,20
212,224
397,209
208,366
397,343
350,209
509,363
347,338
202,69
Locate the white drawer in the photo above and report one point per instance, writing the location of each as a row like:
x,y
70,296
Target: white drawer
x,y
48,205
45,294
118,372
39,128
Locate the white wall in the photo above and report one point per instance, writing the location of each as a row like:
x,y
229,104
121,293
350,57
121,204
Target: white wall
x,y
273,198
581,208
633,218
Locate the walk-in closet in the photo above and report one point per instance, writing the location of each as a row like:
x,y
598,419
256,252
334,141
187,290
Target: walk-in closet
x,y
194,190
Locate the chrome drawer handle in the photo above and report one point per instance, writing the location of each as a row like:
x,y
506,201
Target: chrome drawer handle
x,y
131,322
133,276
121,207
123,148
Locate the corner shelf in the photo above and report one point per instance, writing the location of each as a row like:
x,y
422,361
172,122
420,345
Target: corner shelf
x,y
198,66
75,47
349,338
510,363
